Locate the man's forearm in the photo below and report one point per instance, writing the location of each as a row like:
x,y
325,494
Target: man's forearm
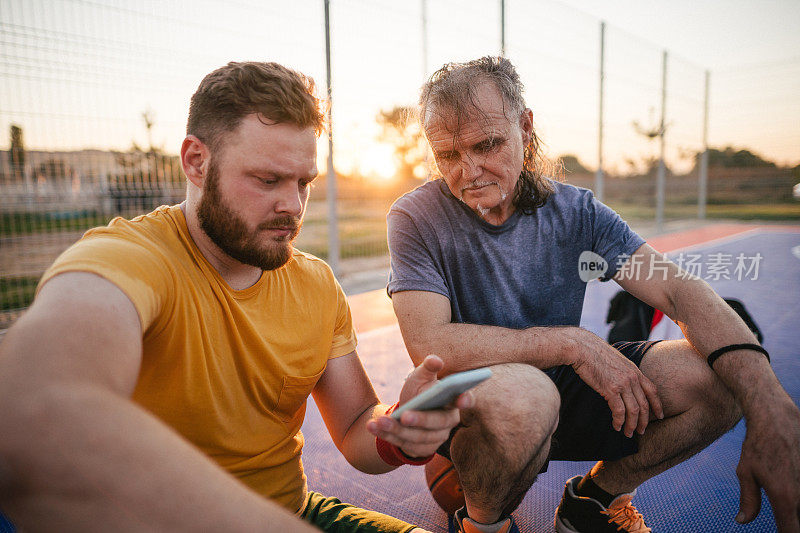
x,y
84,458
358,445
710,323
468,346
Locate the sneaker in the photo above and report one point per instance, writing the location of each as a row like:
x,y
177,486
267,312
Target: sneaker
x,y
461,523
576,514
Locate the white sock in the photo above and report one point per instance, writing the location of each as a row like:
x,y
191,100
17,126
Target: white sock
x,y
488,528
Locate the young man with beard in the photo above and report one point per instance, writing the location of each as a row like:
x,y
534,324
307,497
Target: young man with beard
x,y
485,272
159,380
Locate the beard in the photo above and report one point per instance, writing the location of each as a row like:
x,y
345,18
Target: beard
x,y
226,229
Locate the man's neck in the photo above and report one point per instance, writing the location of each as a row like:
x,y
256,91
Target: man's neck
x,y
238,275
498,215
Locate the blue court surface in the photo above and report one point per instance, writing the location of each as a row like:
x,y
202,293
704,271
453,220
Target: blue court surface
x,y
701,494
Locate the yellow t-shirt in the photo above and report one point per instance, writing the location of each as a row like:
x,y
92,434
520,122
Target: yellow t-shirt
x,y
229,370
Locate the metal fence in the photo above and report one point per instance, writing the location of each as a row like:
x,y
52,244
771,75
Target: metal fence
x,y
94,96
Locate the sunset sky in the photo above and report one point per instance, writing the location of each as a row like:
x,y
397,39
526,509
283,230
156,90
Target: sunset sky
x,y
752,50
79,73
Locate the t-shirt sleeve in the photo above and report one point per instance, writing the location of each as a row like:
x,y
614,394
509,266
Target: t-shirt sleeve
x,y
612,238
135,270
413,267
344,335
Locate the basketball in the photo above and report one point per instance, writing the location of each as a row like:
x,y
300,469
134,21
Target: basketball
x,y
444,485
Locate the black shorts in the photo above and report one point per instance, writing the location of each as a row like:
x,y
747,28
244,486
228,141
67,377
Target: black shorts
x,y
584,431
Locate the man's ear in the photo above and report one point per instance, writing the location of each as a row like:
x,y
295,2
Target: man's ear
x,y
195,159
526,125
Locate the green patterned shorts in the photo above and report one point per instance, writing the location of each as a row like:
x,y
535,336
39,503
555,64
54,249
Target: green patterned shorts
x,y
330,514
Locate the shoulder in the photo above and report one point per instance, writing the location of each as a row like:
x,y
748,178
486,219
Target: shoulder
x,y
151,231
134,255
427,196
567,194
142,248
310,269
311,280
568,201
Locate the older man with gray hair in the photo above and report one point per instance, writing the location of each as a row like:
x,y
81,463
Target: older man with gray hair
x,y
484,272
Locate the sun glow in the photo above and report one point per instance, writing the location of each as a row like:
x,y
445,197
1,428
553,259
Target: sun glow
x,y
377,161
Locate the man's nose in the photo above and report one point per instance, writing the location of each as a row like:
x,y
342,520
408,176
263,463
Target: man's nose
x,y
471,167
290,200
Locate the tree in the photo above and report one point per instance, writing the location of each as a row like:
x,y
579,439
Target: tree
x,y
729,157
148,178
17,152
151,167
149,120
572,165
401,130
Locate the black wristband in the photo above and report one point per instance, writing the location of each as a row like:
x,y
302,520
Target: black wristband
x,y
713,356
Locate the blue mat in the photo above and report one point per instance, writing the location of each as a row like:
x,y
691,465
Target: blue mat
x,y
700,495
5,525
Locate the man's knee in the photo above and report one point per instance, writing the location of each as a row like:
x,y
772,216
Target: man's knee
x,y
506,436
715,396
685,381
519,404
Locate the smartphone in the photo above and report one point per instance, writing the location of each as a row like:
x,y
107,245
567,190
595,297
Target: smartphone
x,y
444,391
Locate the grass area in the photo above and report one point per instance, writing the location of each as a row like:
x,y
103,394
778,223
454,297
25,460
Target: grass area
x,y
349,215
753,212
17,292
29,223
350,250
354,243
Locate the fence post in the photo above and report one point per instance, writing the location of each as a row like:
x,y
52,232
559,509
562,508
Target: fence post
x,y
598,178
503,28
424,39
702,196
333,219
662,170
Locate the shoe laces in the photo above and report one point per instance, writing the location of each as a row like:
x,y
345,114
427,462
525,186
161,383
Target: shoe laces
x,y
626,518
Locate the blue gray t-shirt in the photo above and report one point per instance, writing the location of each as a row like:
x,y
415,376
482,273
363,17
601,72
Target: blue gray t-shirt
x,y
520,274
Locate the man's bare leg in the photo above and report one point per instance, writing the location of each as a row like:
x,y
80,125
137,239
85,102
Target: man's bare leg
x,y
506,439
698,409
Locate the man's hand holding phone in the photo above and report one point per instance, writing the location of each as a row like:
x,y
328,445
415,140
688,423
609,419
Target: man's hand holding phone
x,y
425,424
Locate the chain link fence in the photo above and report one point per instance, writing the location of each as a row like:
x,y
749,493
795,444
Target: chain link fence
x,y
94,96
